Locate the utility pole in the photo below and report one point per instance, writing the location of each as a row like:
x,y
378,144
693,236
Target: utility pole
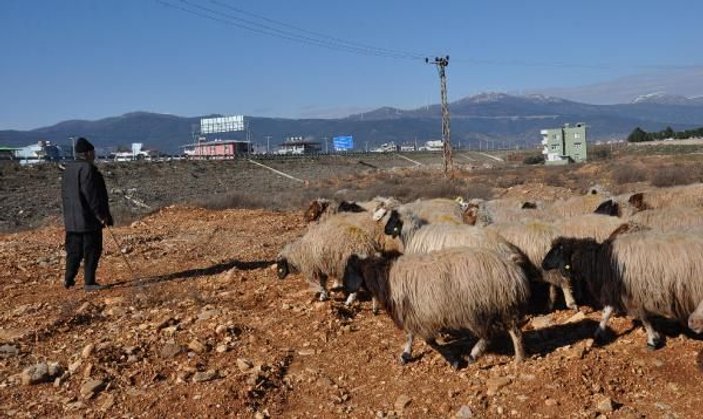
x,y
442,63
327,146
268,144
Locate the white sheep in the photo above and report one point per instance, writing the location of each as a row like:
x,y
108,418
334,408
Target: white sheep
x,y
429,211
451,289
324,249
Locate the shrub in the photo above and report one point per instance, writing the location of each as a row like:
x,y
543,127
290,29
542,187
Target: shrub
x,y
628,174
672,176
599,154
538,159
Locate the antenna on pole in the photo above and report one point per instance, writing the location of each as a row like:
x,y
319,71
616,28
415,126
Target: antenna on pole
x,y
442,63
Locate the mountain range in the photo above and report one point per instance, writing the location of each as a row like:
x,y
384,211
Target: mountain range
x,y
486,117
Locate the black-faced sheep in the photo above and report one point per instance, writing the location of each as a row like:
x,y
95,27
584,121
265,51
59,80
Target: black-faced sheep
x,y
642,273
535,237
451,289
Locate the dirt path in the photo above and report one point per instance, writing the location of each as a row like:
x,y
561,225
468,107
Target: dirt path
x,y
208,330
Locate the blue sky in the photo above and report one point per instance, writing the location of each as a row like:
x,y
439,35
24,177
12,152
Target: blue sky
x,y
89,59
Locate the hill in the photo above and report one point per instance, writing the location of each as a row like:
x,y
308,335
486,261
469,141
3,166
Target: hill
x,y
515,120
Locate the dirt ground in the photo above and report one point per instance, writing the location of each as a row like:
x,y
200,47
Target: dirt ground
x,y
203,328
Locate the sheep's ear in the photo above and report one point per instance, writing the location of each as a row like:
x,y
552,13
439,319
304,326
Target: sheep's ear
x,y
618,231
379,213
608,207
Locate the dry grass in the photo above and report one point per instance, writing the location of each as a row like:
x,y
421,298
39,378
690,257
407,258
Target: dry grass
x,y
672,176
627,173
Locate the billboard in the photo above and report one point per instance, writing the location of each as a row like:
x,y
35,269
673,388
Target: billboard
x,y
343,143
222,124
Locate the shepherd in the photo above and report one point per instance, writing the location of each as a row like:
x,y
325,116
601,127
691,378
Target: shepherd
x,y
86,212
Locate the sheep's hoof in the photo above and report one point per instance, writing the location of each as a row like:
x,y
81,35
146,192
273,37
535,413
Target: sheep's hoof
x,y
574,307
374,311
470,359
405,358
323,297
657,344
601,336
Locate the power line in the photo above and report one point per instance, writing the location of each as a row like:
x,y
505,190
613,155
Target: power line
x,y
319,40
411,55
223,13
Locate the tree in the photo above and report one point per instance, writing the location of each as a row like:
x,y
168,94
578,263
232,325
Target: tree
x,y
638,135
668,133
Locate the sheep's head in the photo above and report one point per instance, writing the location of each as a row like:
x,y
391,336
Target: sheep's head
x,y
346,206
637,201
315,210
282,268
353,276
608,207
559,256
394,225
470,213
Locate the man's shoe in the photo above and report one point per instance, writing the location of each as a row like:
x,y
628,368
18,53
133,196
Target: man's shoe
x,y
68,284
92,287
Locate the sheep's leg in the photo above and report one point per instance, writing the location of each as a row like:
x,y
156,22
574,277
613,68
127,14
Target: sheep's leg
x,y
350,299
321,283
406,356
569,297
553,295
478,350
516,335
654,340
452,359
374,305
695,320
601,331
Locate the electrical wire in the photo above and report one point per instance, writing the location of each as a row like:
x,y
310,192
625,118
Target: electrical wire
x,y
319,40
234,16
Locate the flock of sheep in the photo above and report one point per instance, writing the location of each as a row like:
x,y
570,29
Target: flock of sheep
x,y
446,265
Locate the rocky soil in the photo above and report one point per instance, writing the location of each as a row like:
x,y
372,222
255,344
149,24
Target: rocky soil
x,y
201,327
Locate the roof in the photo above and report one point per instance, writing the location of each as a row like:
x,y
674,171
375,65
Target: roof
x,y
297,143
216,142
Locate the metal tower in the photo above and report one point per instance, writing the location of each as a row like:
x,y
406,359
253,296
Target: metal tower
x,y
442,63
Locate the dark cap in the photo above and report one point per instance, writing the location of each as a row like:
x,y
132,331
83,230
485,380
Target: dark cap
x,y
83,146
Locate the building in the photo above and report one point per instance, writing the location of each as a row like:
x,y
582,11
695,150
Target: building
x,y
138,152
36,153
298,145
217,149
564,145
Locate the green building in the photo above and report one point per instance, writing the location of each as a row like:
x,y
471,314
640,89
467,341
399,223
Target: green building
x,y
564,145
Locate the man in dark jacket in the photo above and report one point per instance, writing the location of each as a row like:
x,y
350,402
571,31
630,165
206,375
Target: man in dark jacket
x,y
85,212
